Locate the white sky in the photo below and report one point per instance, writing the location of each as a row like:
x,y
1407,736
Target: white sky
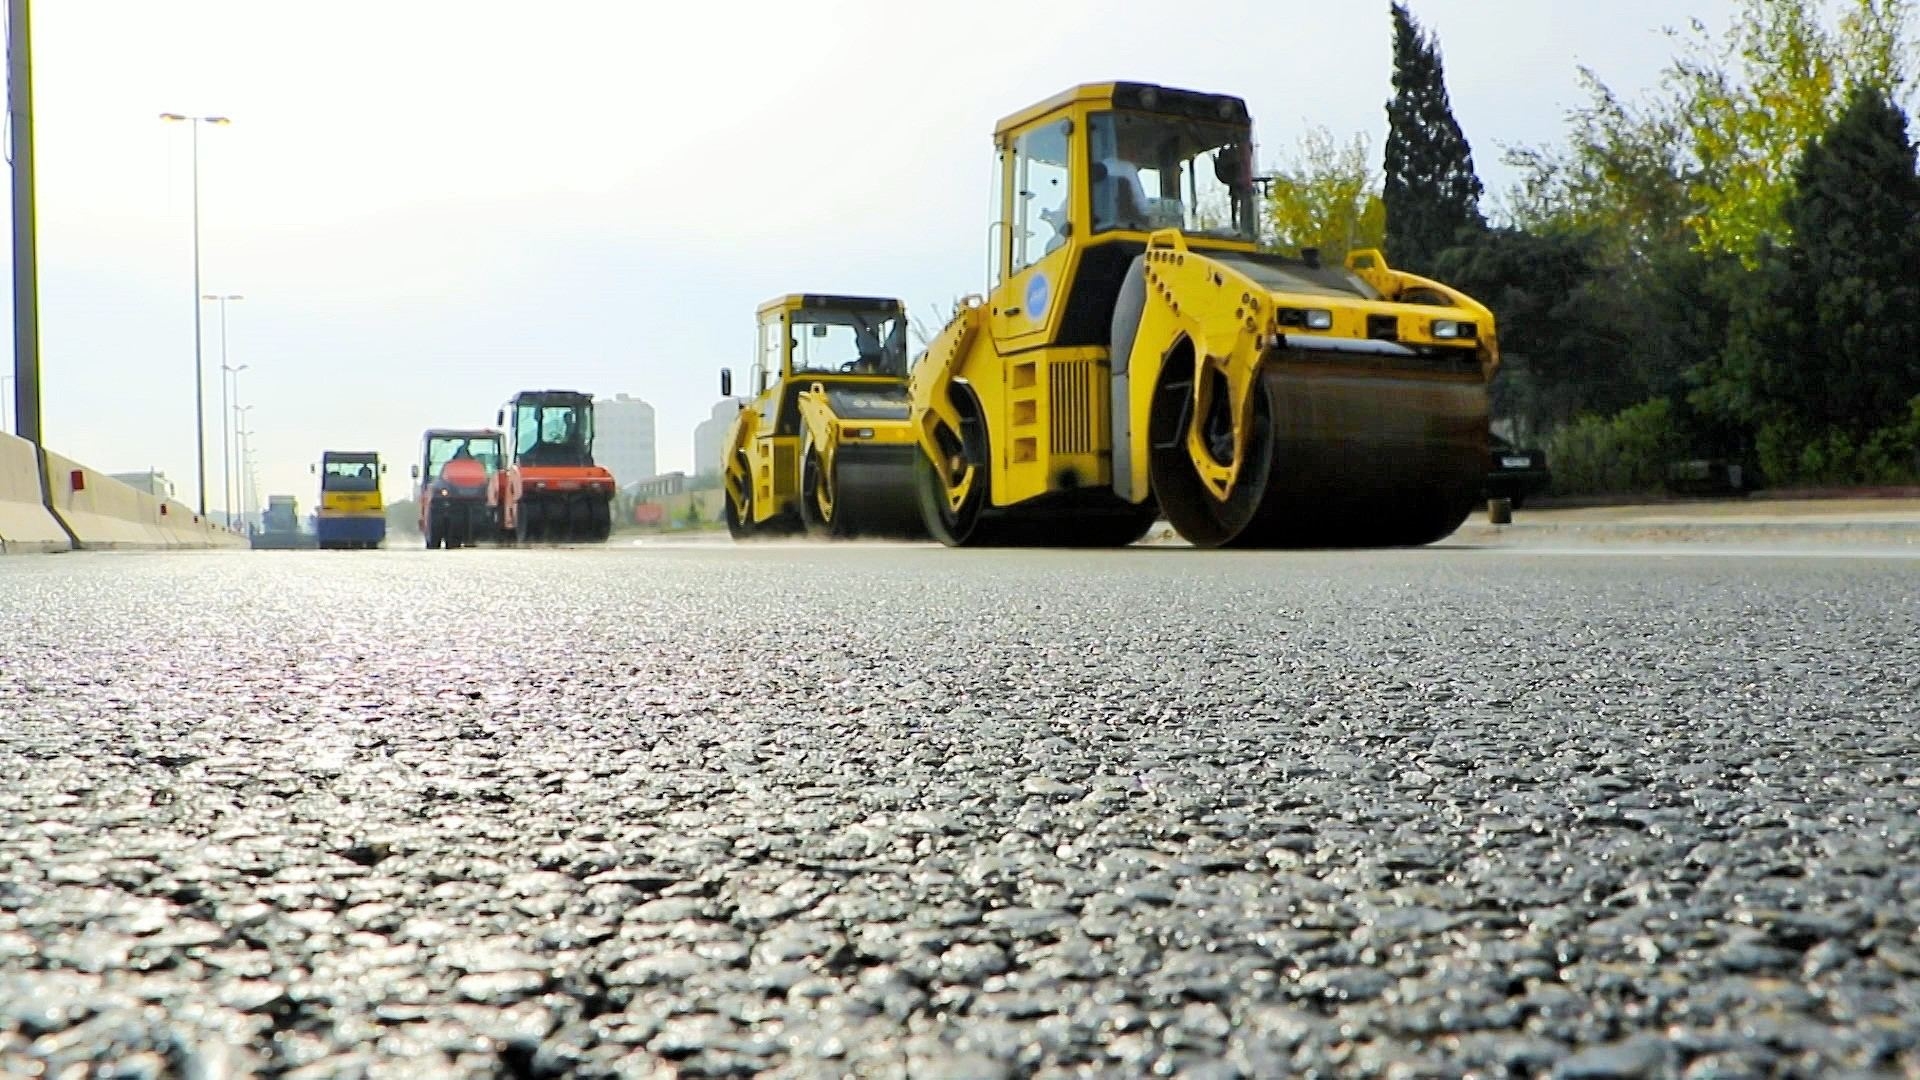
x,y
431,204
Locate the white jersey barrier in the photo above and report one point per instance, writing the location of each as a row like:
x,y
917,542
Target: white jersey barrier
x,y
106,514
25,524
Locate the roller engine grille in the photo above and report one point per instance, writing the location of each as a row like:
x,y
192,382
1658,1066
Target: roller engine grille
x,y
1071,405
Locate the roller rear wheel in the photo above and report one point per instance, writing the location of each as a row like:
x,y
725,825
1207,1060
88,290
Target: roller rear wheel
x,y
739,518
820,509
1196,513
966,525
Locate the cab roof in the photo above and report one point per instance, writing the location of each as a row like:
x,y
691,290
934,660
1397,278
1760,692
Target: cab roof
x,y
830,301
562,394
1142,97
461,433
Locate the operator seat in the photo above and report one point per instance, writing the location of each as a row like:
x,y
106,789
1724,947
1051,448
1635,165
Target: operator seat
x,y
1119,198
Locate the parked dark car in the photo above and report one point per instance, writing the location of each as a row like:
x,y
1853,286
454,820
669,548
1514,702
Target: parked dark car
x,y
1515,474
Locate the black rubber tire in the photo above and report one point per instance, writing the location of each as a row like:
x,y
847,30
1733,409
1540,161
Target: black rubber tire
x,y
812,517
1189,505
738,526
964,527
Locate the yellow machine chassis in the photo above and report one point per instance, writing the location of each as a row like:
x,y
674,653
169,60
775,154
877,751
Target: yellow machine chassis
x,y
832,476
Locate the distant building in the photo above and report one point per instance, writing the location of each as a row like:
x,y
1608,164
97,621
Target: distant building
x,y
710,438
672,483
623,437
152,481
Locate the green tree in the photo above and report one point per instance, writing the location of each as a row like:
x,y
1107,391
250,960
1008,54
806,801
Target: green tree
x,y
1619,181
403,516
1327,197
1753,97
1826,337
1431,192
1711,150
1564,343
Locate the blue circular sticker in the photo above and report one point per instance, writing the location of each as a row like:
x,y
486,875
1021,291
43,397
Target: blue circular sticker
x,y
1038,296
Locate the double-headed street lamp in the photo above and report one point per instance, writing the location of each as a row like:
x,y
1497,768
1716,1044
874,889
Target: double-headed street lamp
x,y
226,440
199,392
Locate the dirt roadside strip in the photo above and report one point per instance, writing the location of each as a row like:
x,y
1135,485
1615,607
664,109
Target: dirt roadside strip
x,y
1821,522
1878,522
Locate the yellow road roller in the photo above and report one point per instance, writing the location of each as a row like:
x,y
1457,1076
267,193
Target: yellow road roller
x,y
825,447
1138,355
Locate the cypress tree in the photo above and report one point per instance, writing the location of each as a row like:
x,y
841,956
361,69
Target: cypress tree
x,y
1855,216
1432,194
1827,335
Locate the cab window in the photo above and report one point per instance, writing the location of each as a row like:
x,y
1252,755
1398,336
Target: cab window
x,y
831,342
1164,172
1042,177
767,365
350,475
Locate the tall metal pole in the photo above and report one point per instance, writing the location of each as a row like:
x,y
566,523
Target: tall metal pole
x,y
26,282
226,441
246,469
240,434
199,392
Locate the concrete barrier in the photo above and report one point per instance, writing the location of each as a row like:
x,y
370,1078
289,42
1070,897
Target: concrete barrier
x,y
25,524
176,524
185,529
103,513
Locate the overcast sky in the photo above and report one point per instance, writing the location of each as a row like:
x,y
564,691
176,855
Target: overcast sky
x,y
429,205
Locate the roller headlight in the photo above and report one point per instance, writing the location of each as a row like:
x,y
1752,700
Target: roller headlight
x,y
1452,329
1308,318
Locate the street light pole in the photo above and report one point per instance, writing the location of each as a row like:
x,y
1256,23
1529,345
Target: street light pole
x,y
234,447
246,467
240,434
26,274
226,440
199,384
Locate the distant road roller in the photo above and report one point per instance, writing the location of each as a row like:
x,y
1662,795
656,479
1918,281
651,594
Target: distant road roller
x,y
1138,355
451,482
825,447
548,488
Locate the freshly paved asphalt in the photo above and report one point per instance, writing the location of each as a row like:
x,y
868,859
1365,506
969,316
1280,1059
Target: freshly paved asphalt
x,y
872,810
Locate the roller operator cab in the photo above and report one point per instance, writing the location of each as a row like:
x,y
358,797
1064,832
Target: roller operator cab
x,y
825,445
351,514
1138,355
451,479
549,488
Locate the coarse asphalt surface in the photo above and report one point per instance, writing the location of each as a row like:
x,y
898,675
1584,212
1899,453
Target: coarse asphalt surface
x,y
892,810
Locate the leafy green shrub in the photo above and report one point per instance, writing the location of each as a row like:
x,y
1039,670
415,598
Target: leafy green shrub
x,y
1626,452
1792,455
